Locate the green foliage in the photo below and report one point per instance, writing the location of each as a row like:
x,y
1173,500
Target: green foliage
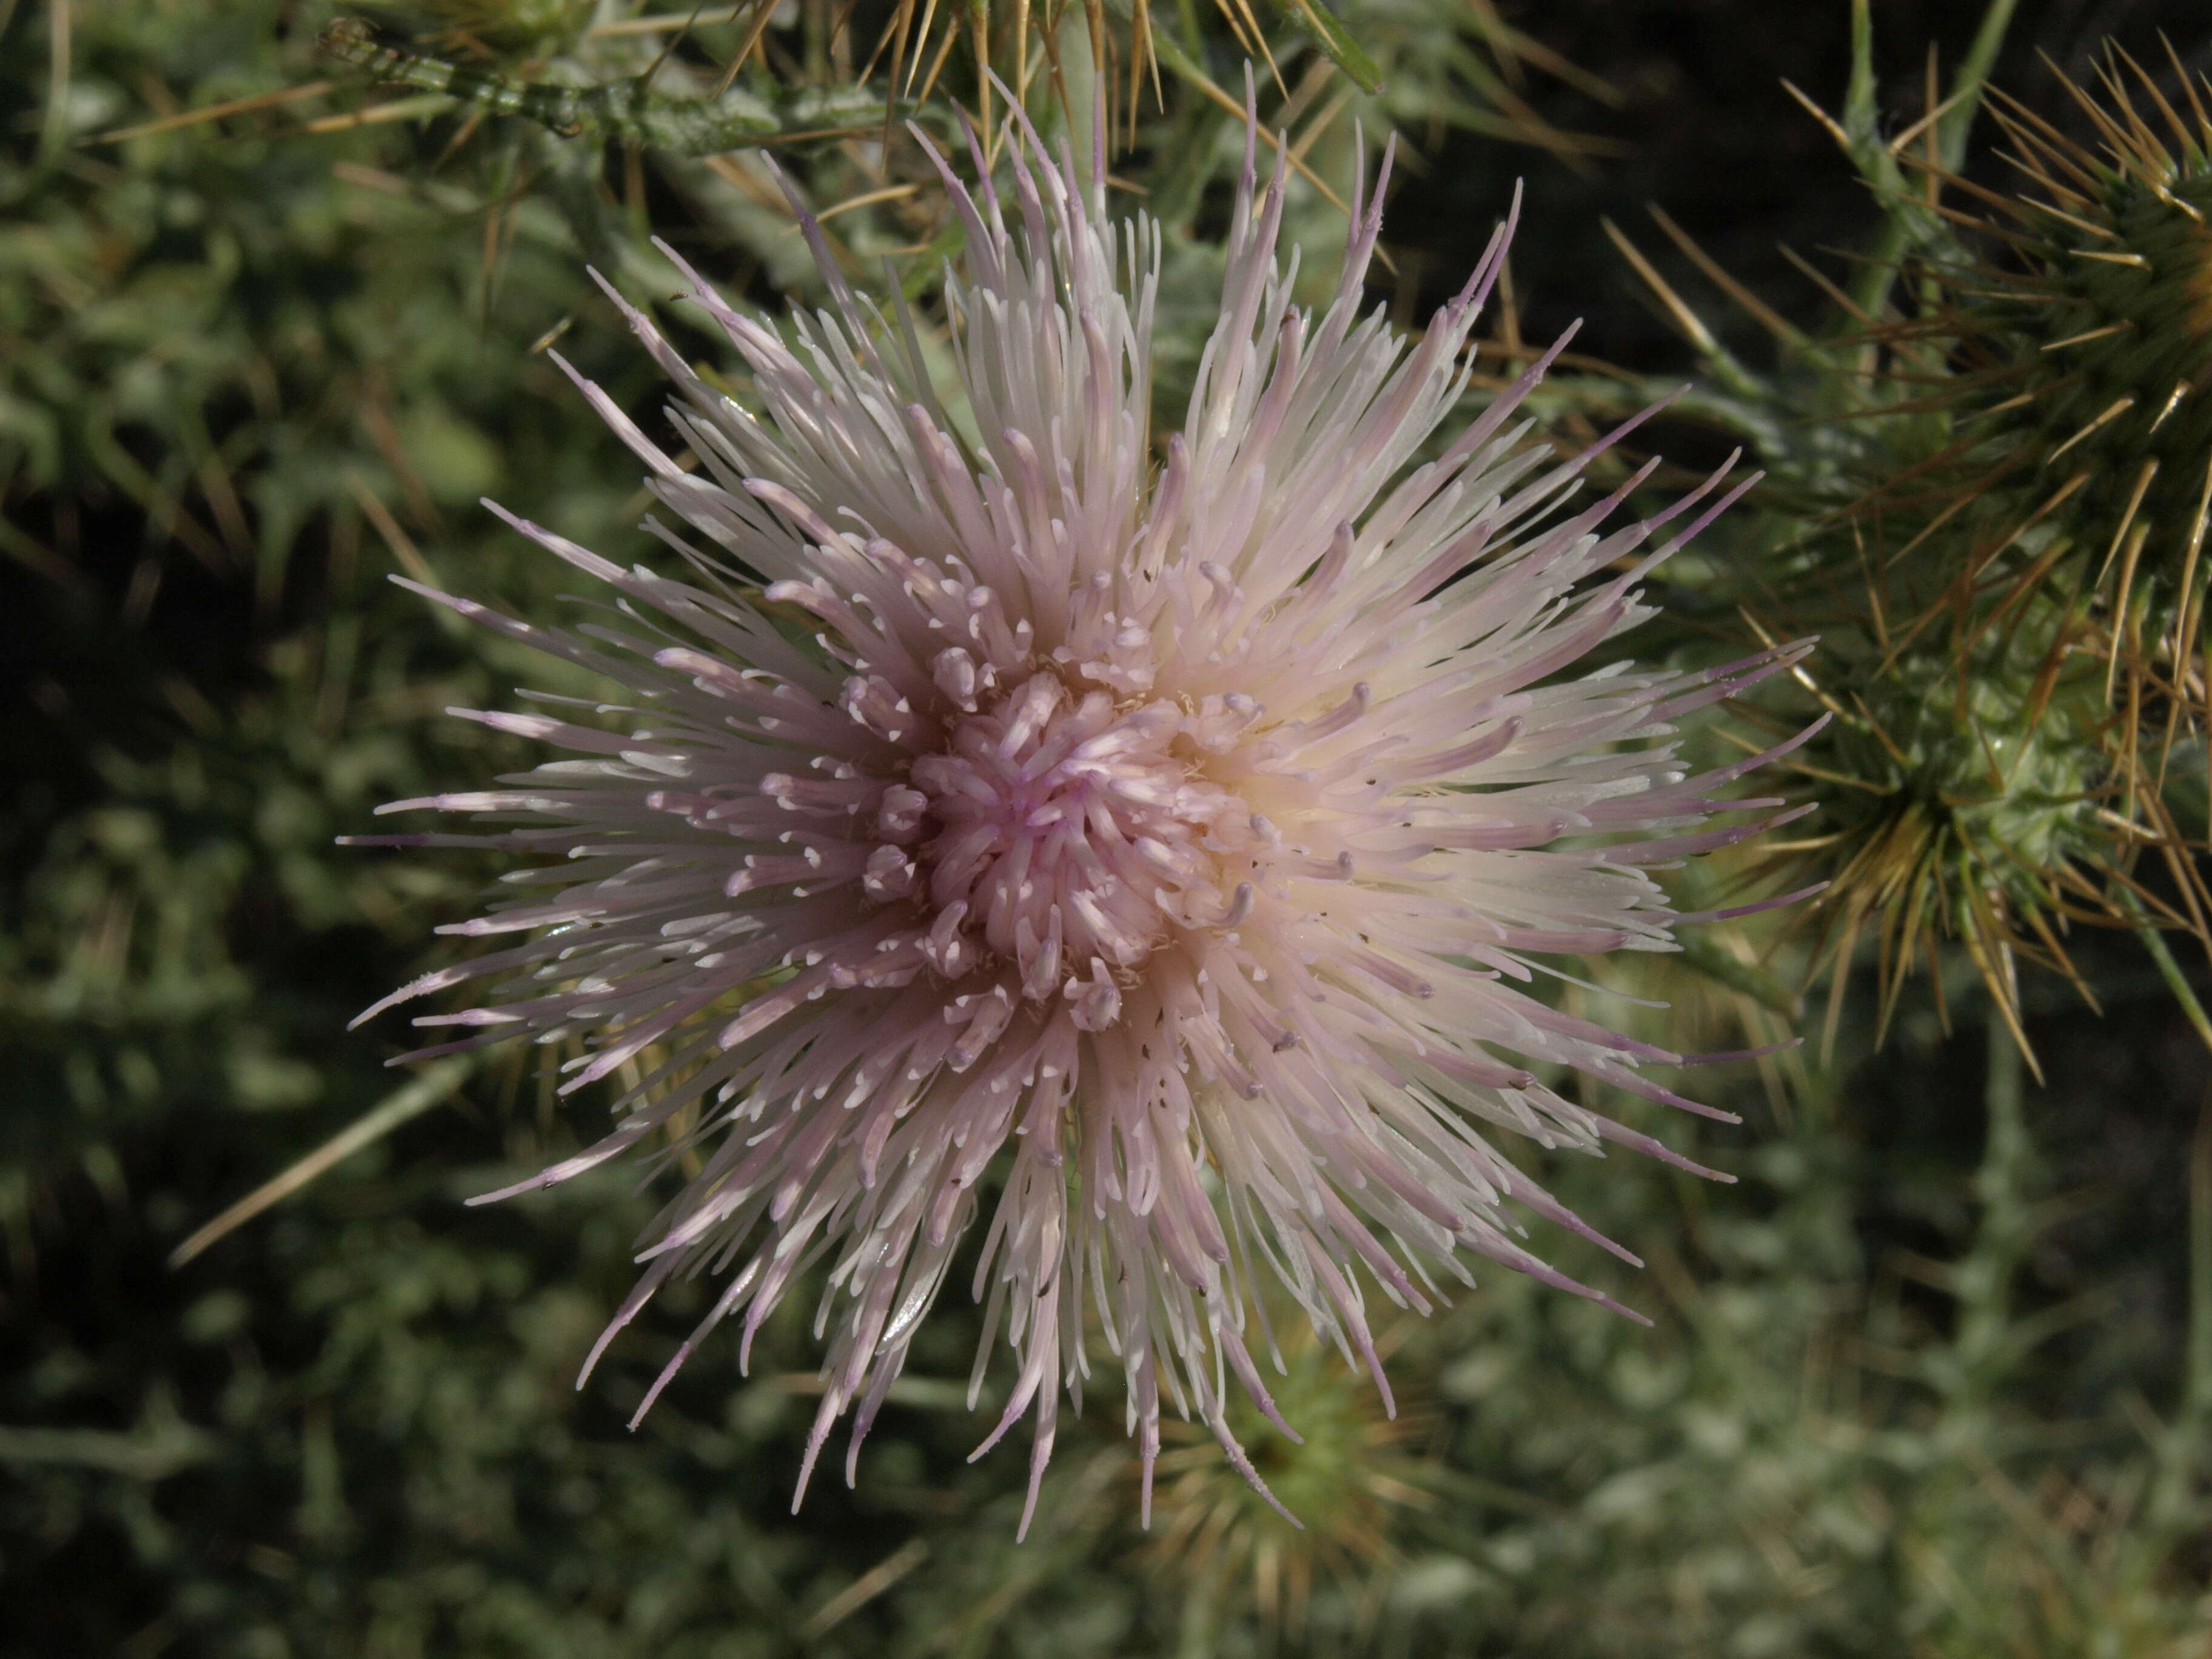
x,y
630,111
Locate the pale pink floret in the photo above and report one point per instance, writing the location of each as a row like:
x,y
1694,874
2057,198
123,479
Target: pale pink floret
x,y
1167,842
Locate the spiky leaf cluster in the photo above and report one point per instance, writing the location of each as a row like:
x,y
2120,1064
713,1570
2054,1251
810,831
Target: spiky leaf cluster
x,y
2084,342
1959,799
1987,482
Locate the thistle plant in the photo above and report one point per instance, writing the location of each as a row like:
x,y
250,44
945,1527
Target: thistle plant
x,y
278,316
713,82
1994,542
2085,333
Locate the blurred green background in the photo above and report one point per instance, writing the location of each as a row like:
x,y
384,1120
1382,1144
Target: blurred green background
x,y
1935,1378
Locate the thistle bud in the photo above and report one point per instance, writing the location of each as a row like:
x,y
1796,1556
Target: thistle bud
x,y
2082,358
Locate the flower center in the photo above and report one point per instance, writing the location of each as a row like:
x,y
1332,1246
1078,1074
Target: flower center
x,y
1060,833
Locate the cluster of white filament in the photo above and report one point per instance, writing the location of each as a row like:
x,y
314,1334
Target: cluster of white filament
x,y
1158,844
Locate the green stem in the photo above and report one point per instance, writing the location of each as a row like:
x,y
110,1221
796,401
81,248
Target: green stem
x,y
2182,1450
2176,1511
1983,1278
1966,85
1907,223
2197,1391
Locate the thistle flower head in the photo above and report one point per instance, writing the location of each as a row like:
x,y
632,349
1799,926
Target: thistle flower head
x,y
2095,334
2051,386
1146,858
1990,493
1966,800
